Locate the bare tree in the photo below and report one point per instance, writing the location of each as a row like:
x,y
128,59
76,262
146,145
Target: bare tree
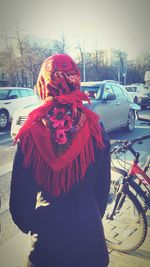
x,y
60,46
34,55
8,60
122,65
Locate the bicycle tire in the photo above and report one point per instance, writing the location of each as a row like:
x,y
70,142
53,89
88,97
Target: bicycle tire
x,y
140,193
126,246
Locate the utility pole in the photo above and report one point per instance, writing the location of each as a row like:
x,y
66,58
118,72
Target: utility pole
x,y
81,48
21,53
124,73
124,68
118,71
84,74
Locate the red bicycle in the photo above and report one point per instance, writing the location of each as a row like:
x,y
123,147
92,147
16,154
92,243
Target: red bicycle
x,y
125,221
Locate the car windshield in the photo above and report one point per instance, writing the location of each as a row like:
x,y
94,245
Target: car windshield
x,y
3,94
93,91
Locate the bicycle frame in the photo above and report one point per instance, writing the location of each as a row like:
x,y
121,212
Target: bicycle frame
x,y
143,179
128,180
135,170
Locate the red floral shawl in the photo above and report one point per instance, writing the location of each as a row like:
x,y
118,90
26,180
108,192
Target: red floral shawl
x,y
60,150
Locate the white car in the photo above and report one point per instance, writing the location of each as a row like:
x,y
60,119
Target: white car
x,y
12,99
20,116
134,91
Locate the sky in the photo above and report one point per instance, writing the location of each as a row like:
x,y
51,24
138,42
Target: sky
x,y
98,24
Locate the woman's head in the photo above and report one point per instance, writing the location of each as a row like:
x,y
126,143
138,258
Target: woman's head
x,y
59,75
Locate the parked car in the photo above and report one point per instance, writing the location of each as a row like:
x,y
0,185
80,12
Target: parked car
x,y
144,98
134,90
13,98
111,101
108,99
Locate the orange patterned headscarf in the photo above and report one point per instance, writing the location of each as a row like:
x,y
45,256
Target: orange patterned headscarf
x,y
60,151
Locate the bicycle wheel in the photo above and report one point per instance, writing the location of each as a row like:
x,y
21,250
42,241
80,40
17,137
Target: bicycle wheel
x,y
128,229
142,193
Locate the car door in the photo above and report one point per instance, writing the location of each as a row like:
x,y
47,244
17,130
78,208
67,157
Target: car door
x,y
28,97
107,109
12,103
122,104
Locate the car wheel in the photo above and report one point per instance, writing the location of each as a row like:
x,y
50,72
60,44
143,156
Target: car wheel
x,y
4,119
143,107
131,121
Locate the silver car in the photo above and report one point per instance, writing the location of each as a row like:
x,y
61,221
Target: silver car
x,y
108,99
112,102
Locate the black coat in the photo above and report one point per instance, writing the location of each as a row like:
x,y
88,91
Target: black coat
x,y
70,231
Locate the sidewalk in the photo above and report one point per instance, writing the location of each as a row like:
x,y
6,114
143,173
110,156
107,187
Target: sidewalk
x,y
138,258
15,251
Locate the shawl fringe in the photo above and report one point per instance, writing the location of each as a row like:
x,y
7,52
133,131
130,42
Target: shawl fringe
x,y
60,181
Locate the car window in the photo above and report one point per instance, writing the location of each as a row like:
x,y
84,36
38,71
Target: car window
x,y
117,90
31,92
24,92
13,92
131,89
107,90
4,94
134,89
92,91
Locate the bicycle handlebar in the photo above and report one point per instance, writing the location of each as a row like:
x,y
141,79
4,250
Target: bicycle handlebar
x,y
127,144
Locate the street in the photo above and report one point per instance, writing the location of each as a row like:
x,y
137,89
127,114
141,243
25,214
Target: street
x,y
7,150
